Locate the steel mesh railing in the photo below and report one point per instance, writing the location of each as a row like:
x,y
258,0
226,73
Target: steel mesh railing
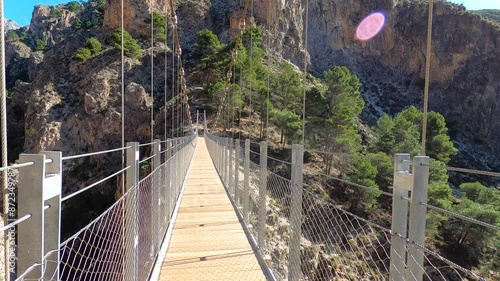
x,y
335,244
123,242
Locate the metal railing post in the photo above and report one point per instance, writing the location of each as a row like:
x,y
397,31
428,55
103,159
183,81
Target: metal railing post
x,y
131,219
224,160
261,225
52,226
30,238
237,149
168,180
228,161
230,183
294,268
246,187
175,171
156,198
402,185
418,216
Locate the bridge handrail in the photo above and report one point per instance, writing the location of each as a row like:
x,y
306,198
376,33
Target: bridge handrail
x,y
154,216
329,224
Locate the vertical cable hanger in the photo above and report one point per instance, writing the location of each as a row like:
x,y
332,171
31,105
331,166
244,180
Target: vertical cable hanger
x,y
152,71
427,75
251,59
268,72
305,74
234,55
123,93
174,96
166,77
3,113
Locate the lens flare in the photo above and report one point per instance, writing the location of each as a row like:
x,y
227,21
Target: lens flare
x,y
370,26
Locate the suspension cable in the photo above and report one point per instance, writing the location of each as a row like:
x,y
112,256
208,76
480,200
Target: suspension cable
x,y
268,72
3,113
234,55
427,75
251,60
123,92
166,78
305,74
174,104
152,71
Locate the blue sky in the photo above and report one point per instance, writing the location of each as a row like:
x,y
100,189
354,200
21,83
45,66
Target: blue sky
x,y
20,10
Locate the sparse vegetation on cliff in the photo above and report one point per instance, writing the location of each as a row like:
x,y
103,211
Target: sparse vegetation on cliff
x,y
130,45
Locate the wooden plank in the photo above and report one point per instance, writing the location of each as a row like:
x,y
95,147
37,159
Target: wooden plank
x,y
208,242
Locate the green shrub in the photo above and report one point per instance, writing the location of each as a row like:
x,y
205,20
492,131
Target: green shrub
x,y
74,6
23,35
130,45
88,25
12,36
93,45
56,13
100,4
159,26
78,24
83,54
40,45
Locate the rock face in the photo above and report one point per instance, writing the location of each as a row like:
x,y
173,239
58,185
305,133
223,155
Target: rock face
x,y
11,25
135,14
465,58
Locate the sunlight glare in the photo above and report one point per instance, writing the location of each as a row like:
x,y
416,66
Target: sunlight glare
x,y
370,26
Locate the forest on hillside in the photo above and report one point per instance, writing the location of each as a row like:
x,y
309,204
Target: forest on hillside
x,y
491,14
264,101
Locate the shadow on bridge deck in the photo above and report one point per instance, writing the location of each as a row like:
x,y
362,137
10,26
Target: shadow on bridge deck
x,y
208,242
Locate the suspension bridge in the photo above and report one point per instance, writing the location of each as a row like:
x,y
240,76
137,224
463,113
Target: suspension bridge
x,y
210,208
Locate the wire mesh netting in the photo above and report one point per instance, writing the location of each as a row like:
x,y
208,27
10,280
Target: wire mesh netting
x,y
123,242
335,244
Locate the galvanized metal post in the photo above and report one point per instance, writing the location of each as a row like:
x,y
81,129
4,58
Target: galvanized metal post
x,y
403,182
237,170
205,129
168,180
418,216
224,157
228,160
246,187
131,220
174,170
156,199
197,112
52,225
230,182
294,268
30,249
261,225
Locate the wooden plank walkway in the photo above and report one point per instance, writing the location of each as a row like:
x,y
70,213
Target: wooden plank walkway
x,y
208,242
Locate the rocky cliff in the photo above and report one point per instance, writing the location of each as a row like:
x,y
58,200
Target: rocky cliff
x,y
58,103
465,56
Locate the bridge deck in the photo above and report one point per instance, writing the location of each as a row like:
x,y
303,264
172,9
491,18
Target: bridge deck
x,y
208,242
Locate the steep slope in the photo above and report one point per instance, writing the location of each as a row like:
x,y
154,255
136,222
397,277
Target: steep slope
x,y
465,59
